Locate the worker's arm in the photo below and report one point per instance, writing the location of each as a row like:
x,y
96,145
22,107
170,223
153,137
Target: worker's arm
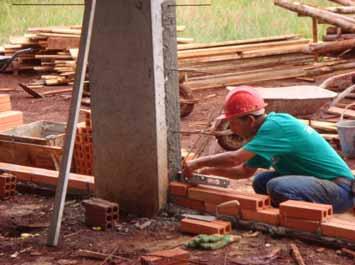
x,y
238,172
224,160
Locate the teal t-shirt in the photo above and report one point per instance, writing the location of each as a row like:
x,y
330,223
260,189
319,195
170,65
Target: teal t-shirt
x,y
293,148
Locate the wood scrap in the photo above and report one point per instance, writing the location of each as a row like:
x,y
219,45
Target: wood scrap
x,y
98,255
295,252
348,252
30,91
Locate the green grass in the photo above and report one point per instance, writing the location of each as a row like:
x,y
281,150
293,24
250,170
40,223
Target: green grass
x,y
242,19
223,20
14,20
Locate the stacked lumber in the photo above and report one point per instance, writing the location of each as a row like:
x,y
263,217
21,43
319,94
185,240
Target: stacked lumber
x,y
49,44
296,215
218,65
8,118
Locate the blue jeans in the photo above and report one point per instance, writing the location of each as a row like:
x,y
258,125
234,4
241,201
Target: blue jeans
x,y
303,188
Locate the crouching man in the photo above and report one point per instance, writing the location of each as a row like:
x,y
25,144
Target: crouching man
x,y
305,166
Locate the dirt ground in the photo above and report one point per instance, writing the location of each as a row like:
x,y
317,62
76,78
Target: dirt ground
x,y
24,218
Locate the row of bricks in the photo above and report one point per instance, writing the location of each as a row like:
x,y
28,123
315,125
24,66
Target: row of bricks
x,y
207,199
218,195
330,227
175,256
304,216
266,215
100,213
197,227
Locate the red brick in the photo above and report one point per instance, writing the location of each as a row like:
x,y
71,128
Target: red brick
x,y
210,208
215,196
100,213
189,203
197,227
231,208
226,224
300,224
167,257
305,210
339,228
178,188
7,185
268,215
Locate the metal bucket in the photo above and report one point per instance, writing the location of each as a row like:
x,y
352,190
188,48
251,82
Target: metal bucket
x,y
346,132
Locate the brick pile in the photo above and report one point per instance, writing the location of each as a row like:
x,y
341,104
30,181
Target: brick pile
x,y
8,118
83,152
297,215
7,185
101,213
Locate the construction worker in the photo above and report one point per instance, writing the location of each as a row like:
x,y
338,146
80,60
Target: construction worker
x,y
305,166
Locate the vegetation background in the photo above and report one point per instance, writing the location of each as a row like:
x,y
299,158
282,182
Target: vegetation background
x,y
222,20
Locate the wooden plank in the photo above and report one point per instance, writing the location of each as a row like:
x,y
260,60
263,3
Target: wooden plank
x,y
348,113
58,43
235,42
321,125
48,177
237,49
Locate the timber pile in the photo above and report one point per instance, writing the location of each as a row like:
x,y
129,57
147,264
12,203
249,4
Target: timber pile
x,y
218,65
341,18
50,44
55,55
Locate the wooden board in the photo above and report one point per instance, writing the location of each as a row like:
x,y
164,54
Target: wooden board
x,y
48,177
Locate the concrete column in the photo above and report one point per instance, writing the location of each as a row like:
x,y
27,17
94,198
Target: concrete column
x,y
128,105
171,86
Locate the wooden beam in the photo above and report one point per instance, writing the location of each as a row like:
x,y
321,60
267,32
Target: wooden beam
x,y
337,46
48,177
342,9
236,42
348,113
315,30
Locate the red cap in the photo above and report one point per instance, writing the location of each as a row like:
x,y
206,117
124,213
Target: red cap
x,y
240,101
